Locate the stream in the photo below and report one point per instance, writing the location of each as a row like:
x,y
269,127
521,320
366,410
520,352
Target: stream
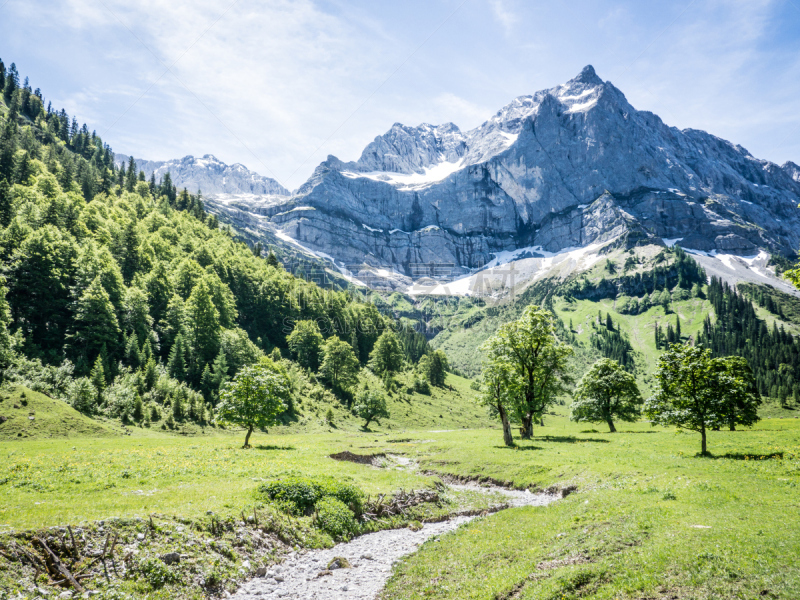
x,y
305,575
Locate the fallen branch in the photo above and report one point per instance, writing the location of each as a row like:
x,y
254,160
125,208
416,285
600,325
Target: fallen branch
x,y
60,566
398,504
75,552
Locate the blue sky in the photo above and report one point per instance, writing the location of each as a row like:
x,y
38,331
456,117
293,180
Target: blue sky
x,y
278,85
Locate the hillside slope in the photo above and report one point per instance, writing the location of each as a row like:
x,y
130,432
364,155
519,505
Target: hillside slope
x,y
29,415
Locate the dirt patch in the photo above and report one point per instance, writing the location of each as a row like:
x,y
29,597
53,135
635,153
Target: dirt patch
x,y
480,480
562,491
543,570
361,459
553,490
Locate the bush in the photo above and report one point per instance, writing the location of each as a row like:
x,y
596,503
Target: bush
x,y
156,573
421,386
333,517
305,493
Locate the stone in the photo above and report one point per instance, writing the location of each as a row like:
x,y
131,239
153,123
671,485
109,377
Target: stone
x,y
171,558
261,572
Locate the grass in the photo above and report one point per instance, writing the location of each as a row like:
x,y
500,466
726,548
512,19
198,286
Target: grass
x,y
451,407
650,519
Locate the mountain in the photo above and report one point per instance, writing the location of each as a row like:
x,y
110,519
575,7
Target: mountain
x,y
567,167
793,170
208,174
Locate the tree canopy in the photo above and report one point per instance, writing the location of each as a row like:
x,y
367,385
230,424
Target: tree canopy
x,y
255,397
698,393
536,358
371,406
605,393
339,366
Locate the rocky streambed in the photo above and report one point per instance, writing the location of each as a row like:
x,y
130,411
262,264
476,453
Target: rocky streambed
x,y
368,560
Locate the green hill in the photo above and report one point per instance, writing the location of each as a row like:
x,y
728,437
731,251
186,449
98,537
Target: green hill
x,y
28,415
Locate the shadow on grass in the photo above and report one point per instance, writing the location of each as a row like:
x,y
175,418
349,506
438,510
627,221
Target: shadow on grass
x,y
515,447
743,456
567,439
263,447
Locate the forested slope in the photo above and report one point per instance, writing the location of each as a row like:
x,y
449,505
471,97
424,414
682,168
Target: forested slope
x,y
124,295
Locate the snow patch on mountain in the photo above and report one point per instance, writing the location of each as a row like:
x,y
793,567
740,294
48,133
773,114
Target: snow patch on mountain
x,y
513,269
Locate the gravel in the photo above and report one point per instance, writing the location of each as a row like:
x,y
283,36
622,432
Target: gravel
x,y
305,575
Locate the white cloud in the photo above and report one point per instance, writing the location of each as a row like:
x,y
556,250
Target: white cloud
x,y
504,15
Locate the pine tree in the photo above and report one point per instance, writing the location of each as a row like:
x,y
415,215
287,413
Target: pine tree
x,y
220,369
207,384
130,176
150,374
95,324
6,208
132,353
177,405
176,366
138,409
98,375
129,263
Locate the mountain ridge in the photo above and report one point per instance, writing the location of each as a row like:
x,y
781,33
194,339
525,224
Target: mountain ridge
x,y
531,175
568,166
208,174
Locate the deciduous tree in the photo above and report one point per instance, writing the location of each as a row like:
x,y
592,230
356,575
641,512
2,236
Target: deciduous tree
x,y
305,342
254,398
539,362
605,393
339,366
371,406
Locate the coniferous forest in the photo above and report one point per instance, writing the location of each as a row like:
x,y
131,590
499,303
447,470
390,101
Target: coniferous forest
x,y
773,353
120,293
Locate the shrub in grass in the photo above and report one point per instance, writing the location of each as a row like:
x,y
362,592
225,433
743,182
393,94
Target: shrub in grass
x,y
304,493
333,517
156,573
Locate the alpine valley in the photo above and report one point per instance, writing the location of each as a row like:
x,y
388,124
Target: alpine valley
x,y
404,339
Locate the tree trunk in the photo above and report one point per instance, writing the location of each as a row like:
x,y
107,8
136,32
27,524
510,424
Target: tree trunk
x,y
733,425
507,437
247,438
611,427
527,426
703,448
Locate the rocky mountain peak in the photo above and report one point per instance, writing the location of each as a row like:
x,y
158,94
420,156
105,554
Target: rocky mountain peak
x,y
793,170
587,76
208,174
571,166
405,149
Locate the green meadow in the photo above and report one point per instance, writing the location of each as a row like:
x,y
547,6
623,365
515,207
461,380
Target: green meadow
x,y
648,518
